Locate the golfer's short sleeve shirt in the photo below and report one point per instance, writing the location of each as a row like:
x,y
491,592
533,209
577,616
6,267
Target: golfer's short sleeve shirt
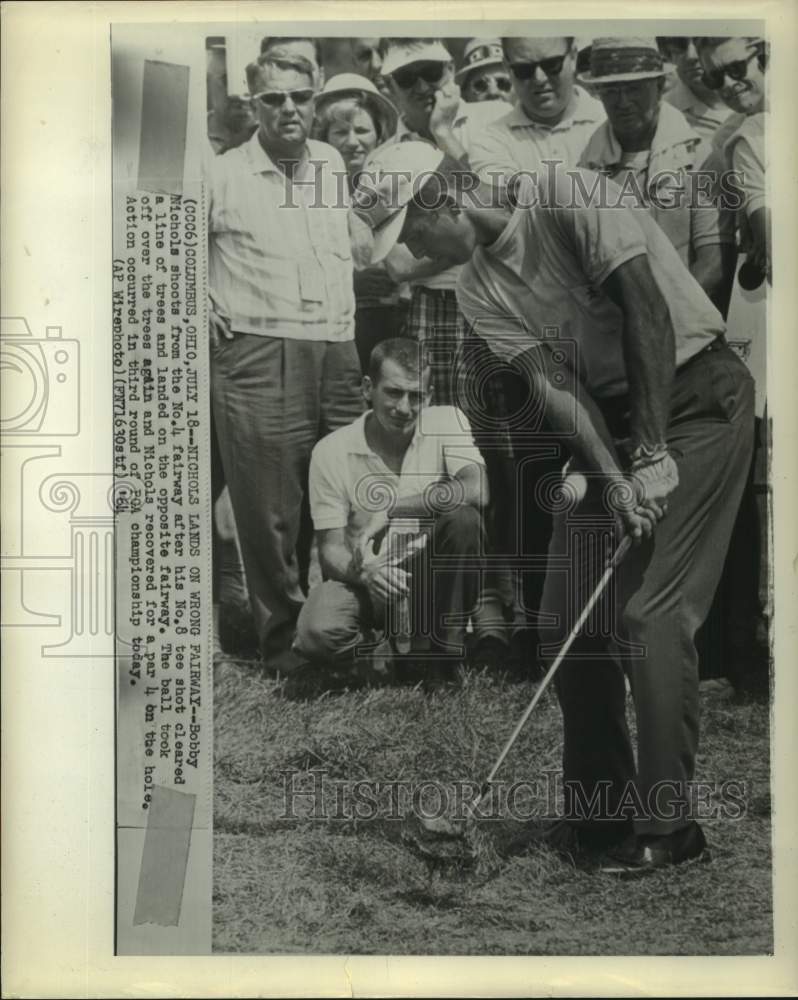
x,y
280,260
349,482
542,281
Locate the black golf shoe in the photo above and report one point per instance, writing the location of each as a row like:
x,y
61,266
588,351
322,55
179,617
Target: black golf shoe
x,y
650,853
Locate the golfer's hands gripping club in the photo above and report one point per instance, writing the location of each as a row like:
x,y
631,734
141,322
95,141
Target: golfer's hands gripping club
x,y
652,481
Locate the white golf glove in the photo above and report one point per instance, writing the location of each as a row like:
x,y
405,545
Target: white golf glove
x,y
655,478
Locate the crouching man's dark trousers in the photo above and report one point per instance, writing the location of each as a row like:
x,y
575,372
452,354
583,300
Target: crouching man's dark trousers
x,y
337,617
654,605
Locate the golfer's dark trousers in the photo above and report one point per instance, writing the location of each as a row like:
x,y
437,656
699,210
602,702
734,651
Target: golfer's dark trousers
x,y
646,625
273,398
336,620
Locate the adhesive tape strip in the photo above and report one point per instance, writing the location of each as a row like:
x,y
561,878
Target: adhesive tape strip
x,y
163,861
164,121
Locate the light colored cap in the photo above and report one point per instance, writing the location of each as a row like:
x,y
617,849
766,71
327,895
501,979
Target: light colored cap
x,y
614,60
392,176
401,54
353,84
480,52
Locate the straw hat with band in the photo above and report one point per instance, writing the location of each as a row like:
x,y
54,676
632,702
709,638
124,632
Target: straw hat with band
x,y
620,60
345,85
480,52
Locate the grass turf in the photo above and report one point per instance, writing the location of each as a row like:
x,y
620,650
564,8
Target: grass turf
x,y
332,886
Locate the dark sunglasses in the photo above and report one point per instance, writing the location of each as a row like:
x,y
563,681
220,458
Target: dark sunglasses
x,y
276,98
526,70
408,76
737,70
480,85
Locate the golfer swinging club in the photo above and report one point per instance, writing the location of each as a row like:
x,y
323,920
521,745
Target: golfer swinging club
x,y
661,405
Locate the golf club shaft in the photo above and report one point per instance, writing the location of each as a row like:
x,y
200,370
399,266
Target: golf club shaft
x,y
620,552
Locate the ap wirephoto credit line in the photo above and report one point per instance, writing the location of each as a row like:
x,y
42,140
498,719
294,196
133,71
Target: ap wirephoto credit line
x,y
443,535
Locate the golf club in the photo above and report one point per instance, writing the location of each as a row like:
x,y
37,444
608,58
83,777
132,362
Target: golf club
x,y
620,552
447,832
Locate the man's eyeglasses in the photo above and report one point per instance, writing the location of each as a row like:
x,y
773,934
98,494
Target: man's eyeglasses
x,y
408,76
634,90
275,99
526,70
737,70
480,85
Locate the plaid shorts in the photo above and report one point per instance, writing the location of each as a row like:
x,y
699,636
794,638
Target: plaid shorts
x,y
436,322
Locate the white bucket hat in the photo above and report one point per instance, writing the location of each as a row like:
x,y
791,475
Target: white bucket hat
x,y
392,176
404,53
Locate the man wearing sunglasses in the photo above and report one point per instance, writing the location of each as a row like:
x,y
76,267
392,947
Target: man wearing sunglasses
x,y
420,76
736,69
483,75
648,148
703,108
552,120
284,368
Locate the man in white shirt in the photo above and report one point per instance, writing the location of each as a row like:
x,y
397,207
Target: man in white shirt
x,y
590,301
403,459
284,367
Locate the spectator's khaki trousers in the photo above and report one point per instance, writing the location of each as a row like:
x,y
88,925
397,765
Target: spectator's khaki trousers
x,y
657,600
273,398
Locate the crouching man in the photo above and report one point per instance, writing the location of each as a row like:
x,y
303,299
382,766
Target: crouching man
x,y
403,461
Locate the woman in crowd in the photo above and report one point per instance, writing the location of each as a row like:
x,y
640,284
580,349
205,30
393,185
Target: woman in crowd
x,y
354,117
